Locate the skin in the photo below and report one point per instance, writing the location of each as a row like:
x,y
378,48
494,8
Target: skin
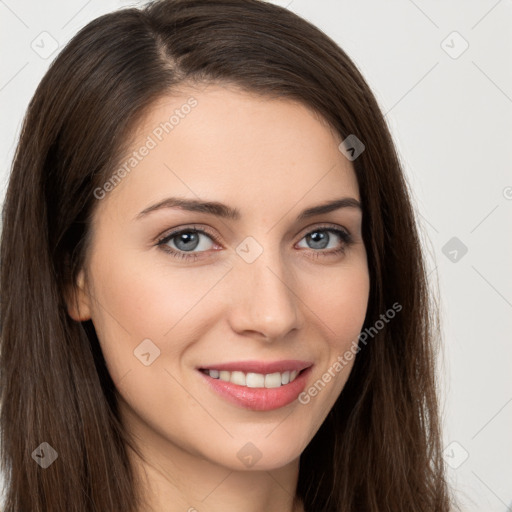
x,y
271,159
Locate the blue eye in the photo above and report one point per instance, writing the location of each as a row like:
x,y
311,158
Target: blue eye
x,y
320,238
187,240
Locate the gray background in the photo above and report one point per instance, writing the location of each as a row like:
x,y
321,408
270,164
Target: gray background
x,y
449,108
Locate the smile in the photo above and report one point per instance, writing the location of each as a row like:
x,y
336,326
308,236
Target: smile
x,y
254,380
257,391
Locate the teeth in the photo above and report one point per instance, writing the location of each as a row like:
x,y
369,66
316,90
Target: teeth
x,y
254,380
238,378
273,380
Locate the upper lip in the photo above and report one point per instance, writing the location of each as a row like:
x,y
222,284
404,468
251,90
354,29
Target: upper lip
x,y
262,367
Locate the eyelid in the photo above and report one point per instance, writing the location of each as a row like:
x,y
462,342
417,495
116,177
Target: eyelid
x,y
324,225
194,227
187,227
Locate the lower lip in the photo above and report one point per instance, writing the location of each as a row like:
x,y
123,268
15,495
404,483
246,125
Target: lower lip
x,y
259,399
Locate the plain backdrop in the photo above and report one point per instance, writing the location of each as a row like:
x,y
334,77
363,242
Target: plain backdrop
x,y
441,73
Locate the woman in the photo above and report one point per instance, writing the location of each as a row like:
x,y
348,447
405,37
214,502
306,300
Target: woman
x,y
283,361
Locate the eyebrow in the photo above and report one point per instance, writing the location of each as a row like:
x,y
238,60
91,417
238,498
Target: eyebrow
x,y
221,210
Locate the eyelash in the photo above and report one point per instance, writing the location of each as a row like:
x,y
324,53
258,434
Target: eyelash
x,y
345,237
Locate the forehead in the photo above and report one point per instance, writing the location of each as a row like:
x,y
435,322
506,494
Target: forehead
x,y
237,147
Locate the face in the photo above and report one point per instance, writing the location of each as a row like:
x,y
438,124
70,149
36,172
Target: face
x,y
173,291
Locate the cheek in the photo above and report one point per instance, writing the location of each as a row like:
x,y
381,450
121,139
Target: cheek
x,y
137,301
140,302
338,309
341,302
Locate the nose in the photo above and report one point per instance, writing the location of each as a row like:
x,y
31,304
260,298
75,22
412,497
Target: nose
x,y
263,299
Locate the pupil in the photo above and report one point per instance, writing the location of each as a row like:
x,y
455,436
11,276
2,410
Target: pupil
x,y
187,238
319,239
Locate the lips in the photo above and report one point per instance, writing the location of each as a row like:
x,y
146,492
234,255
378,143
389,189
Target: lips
x,y
254,396
260,366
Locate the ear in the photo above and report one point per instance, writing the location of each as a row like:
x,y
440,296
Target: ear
x,y
78,301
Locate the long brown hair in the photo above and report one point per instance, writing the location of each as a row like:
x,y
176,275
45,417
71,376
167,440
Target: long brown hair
x,y
379,449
